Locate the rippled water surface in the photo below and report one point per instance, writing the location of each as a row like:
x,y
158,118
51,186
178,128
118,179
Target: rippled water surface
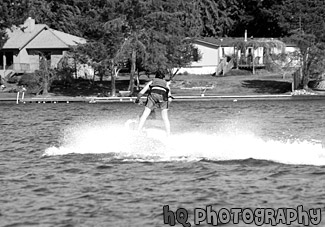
x,y
77,164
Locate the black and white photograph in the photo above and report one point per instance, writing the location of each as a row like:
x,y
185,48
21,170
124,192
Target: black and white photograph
x,y
162,113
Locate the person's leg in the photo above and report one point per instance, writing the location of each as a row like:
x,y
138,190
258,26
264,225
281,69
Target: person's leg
x,y
164,115
143,118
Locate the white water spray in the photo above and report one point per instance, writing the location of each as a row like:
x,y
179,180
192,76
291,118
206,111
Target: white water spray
x,y
126,144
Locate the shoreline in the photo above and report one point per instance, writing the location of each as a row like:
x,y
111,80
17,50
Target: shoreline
x,y
177,98
263,86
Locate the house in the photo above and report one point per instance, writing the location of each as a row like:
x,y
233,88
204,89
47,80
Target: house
x,y
210,58
22,51
219,55
216,51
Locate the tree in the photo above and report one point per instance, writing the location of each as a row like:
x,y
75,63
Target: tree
x,y
62,15
130,20
102,46
170,23
216,17
301,16
305,27
46,74
12,13
154,32
180,53
312,55
258,17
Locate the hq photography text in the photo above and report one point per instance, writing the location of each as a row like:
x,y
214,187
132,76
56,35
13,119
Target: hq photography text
x,y
258,216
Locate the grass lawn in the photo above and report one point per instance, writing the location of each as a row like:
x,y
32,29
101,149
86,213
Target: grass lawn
x,y
237,82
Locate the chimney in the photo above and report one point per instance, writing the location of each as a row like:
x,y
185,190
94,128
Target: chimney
x,y
30,24
245,35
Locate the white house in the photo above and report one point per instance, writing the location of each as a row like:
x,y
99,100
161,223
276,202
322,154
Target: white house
x,y
209,52
216,51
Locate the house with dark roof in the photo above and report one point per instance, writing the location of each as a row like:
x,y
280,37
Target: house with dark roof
x,y
21,52
219,55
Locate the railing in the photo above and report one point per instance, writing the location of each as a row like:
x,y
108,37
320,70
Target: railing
x,y
224,66
228,66
221,66
7,67
21,67
247,62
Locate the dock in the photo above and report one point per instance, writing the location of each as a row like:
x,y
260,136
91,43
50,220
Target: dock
x,y
18,99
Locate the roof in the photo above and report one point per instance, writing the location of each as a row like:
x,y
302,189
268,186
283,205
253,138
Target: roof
x,y
50,38
205,43
39,36
230,41
18,37
221,42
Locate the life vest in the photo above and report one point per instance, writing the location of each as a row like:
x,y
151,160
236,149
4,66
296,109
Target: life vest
x,y
159,86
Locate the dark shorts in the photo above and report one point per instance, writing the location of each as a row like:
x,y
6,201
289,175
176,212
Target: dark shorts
x,y
156,101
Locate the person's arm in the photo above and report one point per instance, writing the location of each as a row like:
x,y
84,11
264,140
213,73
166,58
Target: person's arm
x,y
143,91
170,97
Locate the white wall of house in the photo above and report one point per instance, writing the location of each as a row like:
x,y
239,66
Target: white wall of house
x,y
23,61
29,58
17,60
34,62
23,57
210,56
226,51
206,65
28,61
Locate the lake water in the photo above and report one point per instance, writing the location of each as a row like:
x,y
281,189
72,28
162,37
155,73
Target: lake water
x,y
77,164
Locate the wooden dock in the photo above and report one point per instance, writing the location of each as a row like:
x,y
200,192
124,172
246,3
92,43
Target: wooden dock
x,y
20,98
94,100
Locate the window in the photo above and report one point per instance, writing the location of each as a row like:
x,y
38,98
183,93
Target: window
x,y
1,60
9,58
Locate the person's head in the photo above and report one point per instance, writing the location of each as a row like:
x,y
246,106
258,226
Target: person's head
x,y
159,75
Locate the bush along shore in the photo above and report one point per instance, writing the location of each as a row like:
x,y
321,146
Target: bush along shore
x,y
262,84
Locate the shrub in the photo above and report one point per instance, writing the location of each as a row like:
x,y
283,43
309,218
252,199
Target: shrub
x,y
31,81
13,79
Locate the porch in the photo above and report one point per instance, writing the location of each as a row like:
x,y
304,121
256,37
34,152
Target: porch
x,y
20,67
247,63
8,71
250,66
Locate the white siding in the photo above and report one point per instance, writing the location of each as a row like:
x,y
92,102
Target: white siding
x,y
210,56
207,64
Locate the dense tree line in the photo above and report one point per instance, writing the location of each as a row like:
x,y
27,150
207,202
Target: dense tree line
x,y
152,34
